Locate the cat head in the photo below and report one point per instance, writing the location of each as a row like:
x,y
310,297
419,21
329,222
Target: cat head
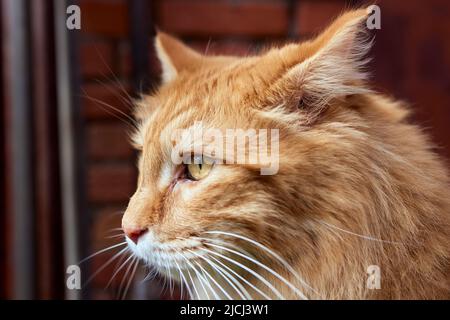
x,y
200,206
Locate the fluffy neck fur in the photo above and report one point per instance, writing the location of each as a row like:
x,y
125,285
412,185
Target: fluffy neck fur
x,y
385,201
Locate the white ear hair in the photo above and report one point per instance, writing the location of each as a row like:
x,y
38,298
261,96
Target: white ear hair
x,y
168,69
337,69
174,56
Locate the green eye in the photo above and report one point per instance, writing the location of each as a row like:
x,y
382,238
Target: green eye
x,y
199,167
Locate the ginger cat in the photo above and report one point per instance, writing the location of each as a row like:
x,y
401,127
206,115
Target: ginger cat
x,y
359,207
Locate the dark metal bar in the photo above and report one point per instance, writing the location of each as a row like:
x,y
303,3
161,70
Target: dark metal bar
x,y
3,181
142,79
292,17
16,52
49,249
67,118
140,38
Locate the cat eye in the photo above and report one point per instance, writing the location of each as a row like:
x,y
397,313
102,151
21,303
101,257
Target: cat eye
x,y
199,167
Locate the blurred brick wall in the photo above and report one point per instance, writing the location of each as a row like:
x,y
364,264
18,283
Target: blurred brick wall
x,y
105,71
412,61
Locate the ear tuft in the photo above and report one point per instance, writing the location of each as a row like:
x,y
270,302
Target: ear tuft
x,y
168,70
174,56
337,68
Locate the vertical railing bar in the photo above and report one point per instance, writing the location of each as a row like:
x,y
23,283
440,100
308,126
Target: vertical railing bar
x,y
139,18
292,19
3,179
17,70
48,244
67,141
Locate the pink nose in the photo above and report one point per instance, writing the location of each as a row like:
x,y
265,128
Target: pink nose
x,y
133,233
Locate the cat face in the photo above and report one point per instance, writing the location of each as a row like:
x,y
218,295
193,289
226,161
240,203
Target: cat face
x,y
182,213
177,203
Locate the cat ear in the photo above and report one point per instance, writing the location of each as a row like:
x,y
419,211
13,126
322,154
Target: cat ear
x,y
174,56
334,65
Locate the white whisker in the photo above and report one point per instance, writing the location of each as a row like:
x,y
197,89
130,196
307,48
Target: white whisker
x,y
136,263
151,275
118,270
122,98
115,236
203,281
222,273
241,278
262,265
122,282
356,234
190,276
107,107
117,80
107,263
183,280
230,245
264,281
272,253
101,251
170,279
214,281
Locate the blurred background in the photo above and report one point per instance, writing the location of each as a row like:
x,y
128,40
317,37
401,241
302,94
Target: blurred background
x,y
67,169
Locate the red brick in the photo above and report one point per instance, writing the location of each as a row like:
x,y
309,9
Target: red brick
x,y
224,18
111,183
96,96
314,16
238,48
124,67
96,59
106,18
108,141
